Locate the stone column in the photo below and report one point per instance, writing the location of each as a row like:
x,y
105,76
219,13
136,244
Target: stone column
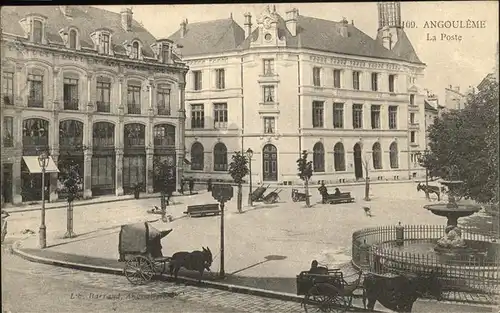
x,y
119,172
149,156
122,96
90,99
87,174
16,181
57,89
53,195
151,106
20,89
180,134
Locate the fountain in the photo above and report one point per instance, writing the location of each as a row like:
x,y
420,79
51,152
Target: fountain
x,y
452,241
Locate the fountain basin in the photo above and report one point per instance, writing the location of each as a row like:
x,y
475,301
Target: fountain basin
x,y
453,211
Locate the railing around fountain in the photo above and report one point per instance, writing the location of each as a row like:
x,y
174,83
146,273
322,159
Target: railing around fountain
x,y
376,250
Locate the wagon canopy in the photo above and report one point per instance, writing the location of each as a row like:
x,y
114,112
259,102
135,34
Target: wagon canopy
x,y
137,238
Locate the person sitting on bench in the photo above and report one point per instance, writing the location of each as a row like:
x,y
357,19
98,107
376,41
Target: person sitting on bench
x,y
315,269
337,192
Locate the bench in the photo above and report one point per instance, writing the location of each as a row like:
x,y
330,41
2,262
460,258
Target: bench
x,y
344,197
203,209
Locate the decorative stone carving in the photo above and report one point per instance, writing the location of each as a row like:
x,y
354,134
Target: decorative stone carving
x,y
128,48
26,25
64,35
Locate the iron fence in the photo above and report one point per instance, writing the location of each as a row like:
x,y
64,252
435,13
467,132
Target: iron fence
x,y
376,250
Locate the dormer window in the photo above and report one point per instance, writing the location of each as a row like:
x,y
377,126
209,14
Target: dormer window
x,y
135,50
105,43
37,31
165,53
72,39
102,41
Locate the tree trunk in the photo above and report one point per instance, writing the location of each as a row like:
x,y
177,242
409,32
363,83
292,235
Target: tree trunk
x,y
308,203
240,198
367,184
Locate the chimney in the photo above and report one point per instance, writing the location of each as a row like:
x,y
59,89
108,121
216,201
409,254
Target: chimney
x,y
248,24
126,19
386,38
184,27
343,28
66,10
291,21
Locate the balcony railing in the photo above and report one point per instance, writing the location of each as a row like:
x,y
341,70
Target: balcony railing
x,y
35,103
71,104
132,109
103,107
164,111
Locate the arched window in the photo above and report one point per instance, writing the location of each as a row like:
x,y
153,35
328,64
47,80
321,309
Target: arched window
x,y
70,134
318,157
393,155
103,135
135,50
220,157
37,31
377,156
72,39
197,157
164,136
339,157
35,133
134,135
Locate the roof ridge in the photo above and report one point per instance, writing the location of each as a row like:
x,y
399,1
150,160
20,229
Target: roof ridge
x,y
212,21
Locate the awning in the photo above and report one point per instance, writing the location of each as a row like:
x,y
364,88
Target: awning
x,y
34,167
186,161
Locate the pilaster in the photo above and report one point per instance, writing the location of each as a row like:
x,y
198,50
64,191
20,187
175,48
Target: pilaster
x,y
149,169
16,181
119,172
180,134
53,195
87,174
90,97
56,90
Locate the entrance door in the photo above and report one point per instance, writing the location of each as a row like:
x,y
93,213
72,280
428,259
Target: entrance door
x,y
134,172
7,183
103,174
270,163
32,185
172,173
358,165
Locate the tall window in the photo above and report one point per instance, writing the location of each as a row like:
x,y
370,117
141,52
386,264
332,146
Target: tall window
x,y
318,157
377,156
412,137
393,155
338,115
197,157
336,79
220,157
163,100
8,131
220,78
375,116
220,115
391,82
103,96
72,39
70,94
197,116
134,99
35,98
355,80
374,81
268,94
317,76
268,67
105,43
165,50
412,99
197,80
393,117
317,113
357,116
269,125
8,88
339,157
135,50
37,31
412,118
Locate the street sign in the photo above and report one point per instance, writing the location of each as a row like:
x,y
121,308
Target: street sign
x,y
222,192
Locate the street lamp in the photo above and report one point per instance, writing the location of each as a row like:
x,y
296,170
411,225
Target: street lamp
x,y
43,161
422,159
250,155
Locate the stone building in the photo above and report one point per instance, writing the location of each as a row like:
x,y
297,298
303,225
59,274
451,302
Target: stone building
x,y
296,82
90,86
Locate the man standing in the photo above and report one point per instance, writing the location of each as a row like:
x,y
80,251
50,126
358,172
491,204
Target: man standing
x,y
323,192
191,185
5,214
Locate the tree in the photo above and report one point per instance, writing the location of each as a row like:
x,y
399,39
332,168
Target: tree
x,y
467,140
71,184
305,173
238,168
165,175
366,165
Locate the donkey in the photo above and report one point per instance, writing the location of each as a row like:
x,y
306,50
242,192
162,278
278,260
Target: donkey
x,y
429,189
193,261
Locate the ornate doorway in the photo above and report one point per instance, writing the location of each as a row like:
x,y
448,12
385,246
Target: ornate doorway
x,y
270,163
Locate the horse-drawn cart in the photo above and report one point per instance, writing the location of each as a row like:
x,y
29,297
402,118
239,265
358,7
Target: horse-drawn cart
x,y
328,292
140,248
298,196
272,197
257,194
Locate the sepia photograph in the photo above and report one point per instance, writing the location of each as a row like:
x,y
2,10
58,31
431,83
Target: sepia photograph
x,y
250,157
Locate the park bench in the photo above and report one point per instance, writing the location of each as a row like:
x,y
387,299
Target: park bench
x,y
202,209
344,197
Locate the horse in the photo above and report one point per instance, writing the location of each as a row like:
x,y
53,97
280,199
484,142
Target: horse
x,y
193,261
400,292
429,190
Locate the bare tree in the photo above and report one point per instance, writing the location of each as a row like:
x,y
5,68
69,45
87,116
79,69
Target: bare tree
x,y
366,165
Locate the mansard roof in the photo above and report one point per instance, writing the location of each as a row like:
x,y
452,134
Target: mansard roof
x,y
85,19
312,33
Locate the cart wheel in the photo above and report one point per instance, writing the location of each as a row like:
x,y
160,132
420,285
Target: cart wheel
x,y
139,270
319,300
294,198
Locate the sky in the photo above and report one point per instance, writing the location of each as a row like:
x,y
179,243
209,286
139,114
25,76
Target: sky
x,y
461,63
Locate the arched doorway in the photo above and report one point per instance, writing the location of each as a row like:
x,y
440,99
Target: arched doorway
x,y
358,163
269,163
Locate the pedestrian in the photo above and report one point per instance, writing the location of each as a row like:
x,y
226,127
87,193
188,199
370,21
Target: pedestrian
x,y
170,191
337,192
209,185
191,186
5,214
323,192
182,186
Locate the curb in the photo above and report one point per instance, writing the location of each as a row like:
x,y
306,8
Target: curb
x,y
210,284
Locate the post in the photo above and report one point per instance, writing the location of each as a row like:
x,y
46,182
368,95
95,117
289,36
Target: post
x,y
222,273
43,228
250,203
69,228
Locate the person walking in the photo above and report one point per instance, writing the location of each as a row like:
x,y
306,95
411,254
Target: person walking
x,y
5,214
323,192
191,186
182,186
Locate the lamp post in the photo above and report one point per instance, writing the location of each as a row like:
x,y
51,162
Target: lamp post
x,y
249,153
43,161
